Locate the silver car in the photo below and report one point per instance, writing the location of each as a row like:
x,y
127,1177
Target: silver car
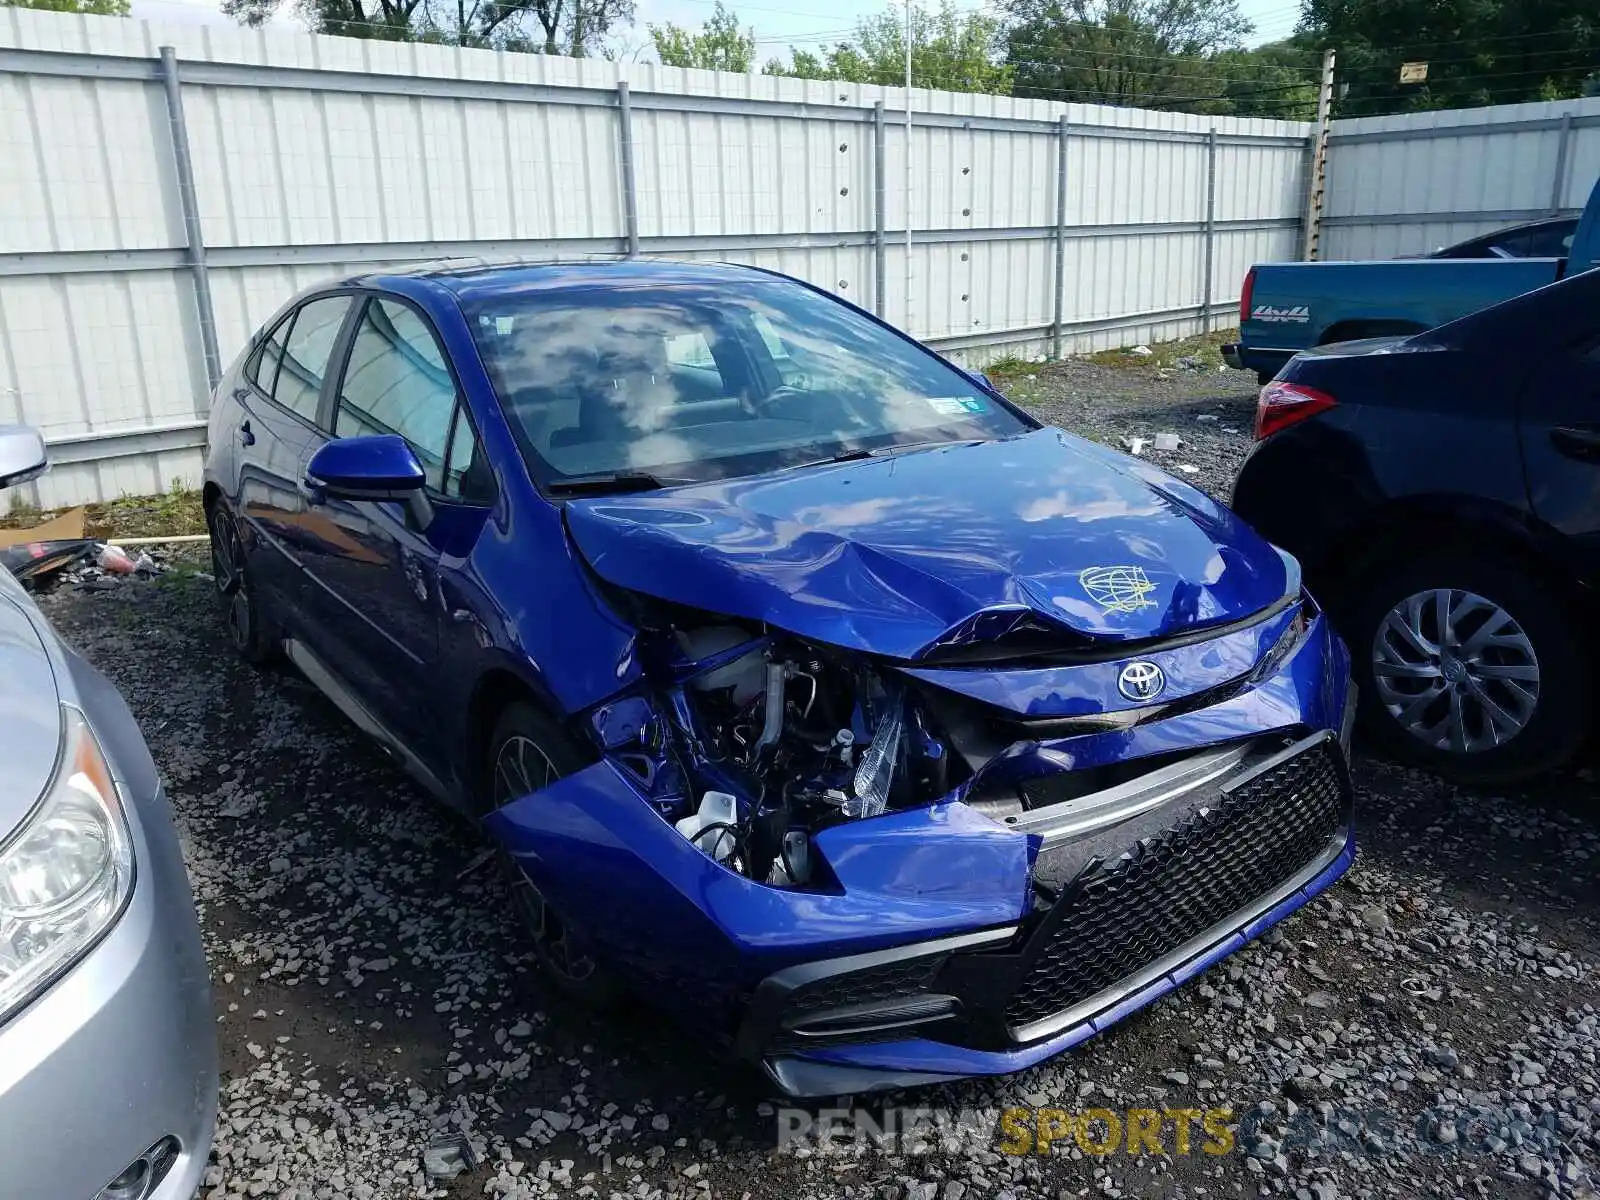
x,y
108,1051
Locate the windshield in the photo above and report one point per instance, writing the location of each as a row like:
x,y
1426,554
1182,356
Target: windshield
x,y
694,381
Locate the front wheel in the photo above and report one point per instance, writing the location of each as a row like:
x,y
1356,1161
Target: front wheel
x,y
528,752
1469,664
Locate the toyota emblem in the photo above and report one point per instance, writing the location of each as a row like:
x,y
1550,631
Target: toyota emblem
x,y
1141,681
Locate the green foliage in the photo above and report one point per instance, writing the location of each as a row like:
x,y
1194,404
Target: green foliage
x,y
952,50
1477,51
103,8
574,27
721,45
1152,53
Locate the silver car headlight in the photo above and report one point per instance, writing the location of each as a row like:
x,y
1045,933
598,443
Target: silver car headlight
x,y
66,874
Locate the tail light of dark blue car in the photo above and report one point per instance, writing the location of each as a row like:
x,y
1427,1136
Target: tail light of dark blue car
x,y
1283,404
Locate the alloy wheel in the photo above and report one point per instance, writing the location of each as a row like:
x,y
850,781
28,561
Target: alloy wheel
x,y
1455,670
228,570
521,767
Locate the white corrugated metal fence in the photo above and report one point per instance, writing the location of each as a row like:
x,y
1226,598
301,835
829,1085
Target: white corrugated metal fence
x,y
1413,183
312,157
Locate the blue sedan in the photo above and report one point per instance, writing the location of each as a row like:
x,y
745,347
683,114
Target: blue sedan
x,y
803,684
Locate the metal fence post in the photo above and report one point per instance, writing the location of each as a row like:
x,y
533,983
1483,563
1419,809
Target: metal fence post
x,y
1211,225
1558,186
1061,232
880,204
1317,164
630,192
190,205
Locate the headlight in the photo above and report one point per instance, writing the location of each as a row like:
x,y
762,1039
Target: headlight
x,y
65,875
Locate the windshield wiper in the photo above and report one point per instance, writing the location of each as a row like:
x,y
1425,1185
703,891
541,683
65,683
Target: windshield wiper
x,y
860,453
903,447
605,483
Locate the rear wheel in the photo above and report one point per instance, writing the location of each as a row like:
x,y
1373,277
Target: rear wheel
x,y
1469,664
249,628
527,752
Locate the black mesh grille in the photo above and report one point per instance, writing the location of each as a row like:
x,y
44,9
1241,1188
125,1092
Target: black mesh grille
x,y
890,981
895,980
1118,916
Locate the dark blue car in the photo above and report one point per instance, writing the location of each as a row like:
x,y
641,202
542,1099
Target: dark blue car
x,y
802,681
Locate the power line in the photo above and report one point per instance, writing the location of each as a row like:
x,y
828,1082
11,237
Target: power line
x,y
1509,37
1516,55
1201,77
1048,50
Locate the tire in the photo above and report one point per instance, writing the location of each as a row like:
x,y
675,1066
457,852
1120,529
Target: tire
x,y
526,751
250,627
1520,676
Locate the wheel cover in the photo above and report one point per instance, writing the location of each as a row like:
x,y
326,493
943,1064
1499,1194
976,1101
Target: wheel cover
x,y
1455,670
521,766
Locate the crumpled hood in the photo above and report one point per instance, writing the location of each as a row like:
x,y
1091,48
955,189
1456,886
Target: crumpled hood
x,y
890,555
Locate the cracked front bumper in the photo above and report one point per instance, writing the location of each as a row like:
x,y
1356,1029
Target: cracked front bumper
x,y
1123,914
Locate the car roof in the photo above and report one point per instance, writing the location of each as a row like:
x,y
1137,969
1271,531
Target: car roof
x,y
1509,230
470,281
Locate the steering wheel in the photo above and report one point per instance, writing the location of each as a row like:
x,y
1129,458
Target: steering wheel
x,y
772,403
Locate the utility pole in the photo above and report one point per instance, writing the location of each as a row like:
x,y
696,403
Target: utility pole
x,y
907,325
1318,167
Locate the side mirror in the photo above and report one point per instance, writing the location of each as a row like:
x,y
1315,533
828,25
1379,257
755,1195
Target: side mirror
x,y
22,455
378,467
983,381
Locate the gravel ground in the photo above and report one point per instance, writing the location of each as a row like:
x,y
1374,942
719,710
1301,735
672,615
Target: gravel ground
x,y
1425,1028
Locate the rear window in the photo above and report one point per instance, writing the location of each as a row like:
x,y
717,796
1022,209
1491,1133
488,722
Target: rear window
x,y
691,381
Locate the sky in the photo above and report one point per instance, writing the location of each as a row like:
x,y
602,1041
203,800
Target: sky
x,y
778,24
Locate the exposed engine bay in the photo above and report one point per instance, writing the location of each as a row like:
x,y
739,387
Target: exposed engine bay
x,y
750,741
799,738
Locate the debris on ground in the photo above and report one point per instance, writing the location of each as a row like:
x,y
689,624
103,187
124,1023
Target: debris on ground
x,y
1141,351
1135,445
114,560
34,562
1168,441
448,1155
34,553
64,527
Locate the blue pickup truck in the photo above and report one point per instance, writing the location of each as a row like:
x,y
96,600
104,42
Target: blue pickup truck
x,y
1288,307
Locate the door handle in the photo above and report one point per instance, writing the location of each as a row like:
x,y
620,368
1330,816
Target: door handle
x,y
246,436
1577,441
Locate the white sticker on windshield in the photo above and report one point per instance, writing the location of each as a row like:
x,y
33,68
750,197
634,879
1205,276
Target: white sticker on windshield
x,y
958,406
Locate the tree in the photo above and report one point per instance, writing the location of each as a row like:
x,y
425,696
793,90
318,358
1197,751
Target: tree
x,y
1477,51
102,8
953,49
1278,79
575,27
721,45
1149,53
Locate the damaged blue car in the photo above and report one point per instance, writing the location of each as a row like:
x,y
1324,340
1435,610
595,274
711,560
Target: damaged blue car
x,y
801,680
